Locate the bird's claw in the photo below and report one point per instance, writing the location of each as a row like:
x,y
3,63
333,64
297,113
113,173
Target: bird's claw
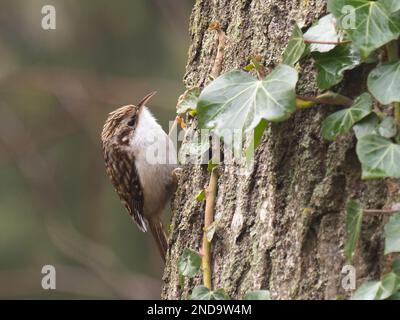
x,y
176,174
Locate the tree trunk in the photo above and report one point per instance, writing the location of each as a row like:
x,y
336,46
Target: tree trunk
x,y
283,225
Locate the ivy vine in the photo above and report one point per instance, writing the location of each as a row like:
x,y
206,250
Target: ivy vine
x,y
354,33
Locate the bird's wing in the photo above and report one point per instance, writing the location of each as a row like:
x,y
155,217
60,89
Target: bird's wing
x,y
121,169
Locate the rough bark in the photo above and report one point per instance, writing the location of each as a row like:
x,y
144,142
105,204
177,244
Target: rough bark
x,y
283,225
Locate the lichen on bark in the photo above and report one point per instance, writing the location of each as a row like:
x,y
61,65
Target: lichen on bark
x,y
282,225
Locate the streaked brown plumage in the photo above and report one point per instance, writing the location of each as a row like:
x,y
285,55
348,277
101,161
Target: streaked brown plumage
x,y
143,187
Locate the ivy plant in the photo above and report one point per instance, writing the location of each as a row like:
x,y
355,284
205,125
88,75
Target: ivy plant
x,y
352,34
240,101
389,285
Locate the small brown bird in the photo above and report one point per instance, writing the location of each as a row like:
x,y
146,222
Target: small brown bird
x,y
140,159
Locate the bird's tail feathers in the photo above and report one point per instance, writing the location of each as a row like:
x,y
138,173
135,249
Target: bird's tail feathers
x,y
157,230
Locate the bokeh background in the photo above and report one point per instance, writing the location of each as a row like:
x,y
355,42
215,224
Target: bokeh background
x,y
57,206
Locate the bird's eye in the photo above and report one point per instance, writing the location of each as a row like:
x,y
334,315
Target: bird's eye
x,y
131,123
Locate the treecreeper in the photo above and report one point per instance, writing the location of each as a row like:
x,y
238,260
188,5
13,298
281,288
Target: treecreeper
x,y
141,163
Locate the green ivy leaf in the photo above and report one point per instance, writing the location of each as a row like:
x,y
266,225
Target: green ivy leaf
x,y
238,101
335,7
368,125
332,65
374,26
388,128
384,82
219,294
201,196
367,291
378,290
257,138
396,267
391,5
323,31
211,165
341,122
258,295
354,216
189,263
392,233
295,48
249,67
389,285
203,293
379,157
200,293
395,296
188,100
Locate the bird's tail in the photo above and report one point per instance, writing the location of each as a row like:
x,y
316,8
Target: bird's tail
x,y
157,230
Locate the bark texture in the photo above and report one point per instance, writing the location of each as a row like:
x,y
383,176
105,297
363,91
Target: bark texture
x,y
283,224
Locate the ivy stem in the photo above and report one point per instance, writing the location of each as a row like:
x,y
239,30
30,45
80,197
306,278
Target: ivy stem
x,y
397,112
392,50
327,42
211,194
387,211
338,100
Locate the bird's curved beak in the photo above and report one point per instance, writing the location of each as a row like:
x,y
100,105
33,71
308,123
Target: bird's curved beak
x,y
146,99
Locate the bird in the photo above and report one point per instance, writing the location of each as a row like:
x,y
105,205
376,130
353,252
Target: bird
x,y
140,160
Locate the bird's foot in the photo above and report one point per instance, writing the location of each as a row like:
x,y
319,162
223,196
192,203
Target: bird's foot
x,y
176,174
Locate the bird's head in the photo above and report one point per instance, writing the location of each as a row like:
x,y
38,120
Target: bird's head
x,y
121,123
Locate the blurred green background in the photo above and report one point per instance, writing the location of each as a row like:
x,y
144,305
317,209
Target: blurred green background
x,y
57,206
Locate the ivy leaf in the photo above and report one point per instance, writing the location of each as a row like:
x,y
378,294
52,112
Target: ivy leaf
x,y
257,138
323,31
392,234
384,82
332,65
396,267
295,48
354,216
211,165
189,263
378,290
201,196
200,293
203,293
388,128
368,125
258,295
367,291
219,294
335,7
395,296
369,24
379,157
389,284
238,101
391,5
341,122
188,100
